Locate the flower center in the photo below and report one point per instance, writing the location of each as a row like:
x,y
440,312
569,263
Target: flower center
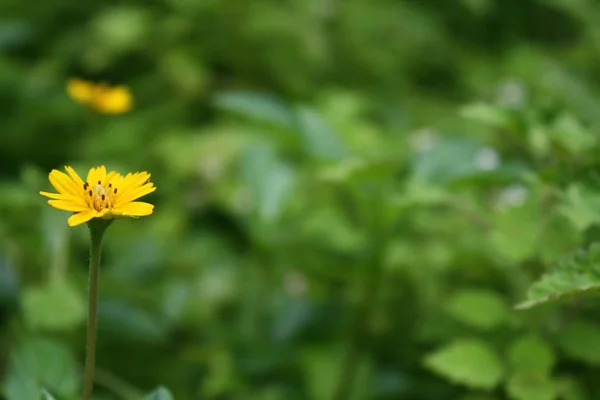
x,y
98,197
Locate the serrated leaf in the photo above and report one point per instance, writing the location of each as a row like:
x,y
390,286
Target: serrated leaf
x,y
523,386
469,362
581,340
160,393
531,354
479,308
576,276
56,306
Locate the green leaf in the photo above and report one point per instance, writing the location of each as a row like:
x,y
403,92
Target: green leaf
x,y
570,134
478,7
321,141
539,141
328,226
37,364
129,321
321,368
121,28
523,386
268,178
531,354
160,393
581,340
452,159
516,231
256,106
571,388
487,114
55,306
576,276
581,206
479,308
470,362
46,395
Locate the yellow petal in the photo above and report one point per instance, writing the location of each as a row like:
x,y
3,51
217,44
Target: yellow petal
x,y
134,209
67,205
133,194
101,171
116,100
80,218
76,178
67,197
80,90
110,177
136,180
96,175
63,183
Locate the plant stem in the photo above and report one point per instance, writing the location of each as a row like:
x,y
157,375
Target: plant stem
x,y
359,331
96,233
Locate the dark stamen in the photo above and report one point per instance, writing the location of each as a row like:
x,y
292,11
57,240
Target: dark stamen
x,y
90,192
99,182
85,186
102,197
115,190
110,185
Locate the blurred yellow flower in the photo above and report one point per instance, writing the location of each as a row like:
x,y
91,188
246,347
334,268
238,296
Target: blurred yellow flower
x,y
103,195
101,97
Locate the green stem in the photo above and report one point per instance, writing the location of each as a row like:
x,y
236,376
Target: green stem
x,y
359,331
369,280
96,232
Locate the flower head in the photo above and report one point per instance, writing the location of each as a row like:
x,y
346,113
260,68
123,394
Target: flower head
x,y
102,195
101,97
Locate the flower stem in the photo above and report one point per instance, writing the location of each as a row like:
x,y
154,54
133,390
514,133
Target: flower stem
x,y
96,232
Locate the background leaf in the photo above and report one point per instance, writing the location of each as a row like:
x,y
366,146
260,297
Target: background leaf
x,y
57,306
469,362
478,308
160,393
41,363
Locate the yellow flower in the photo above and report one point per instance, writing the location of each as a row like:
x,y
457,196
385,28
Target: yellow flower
x,y
101,97
103,195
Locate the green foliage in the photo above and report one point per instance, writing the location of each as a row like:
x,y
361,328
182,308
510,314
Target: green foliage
x,y
346,191
531,354
469,362
524,387
531,360
478,308
576,276
55,306
38,364
47,396
581,340
160,393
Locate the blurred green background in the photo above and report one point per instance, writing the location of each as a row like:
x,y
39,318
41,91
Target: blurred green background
x,y
352,197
